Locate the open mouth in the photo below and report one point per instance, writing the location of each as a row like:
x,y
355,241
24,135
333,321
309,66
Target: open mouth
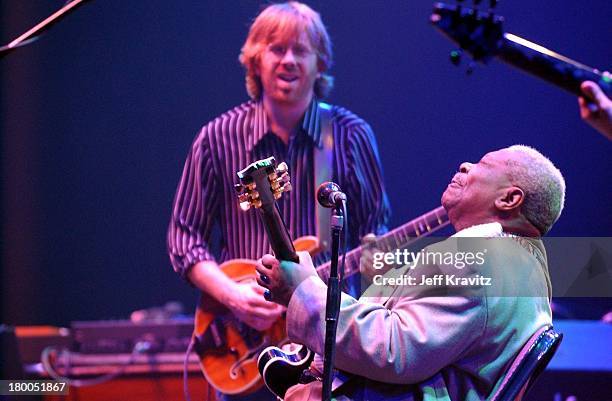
x,y
287,78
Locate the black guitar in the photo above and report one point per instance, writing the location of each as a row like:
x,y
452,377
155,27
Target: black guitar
x,y
481,34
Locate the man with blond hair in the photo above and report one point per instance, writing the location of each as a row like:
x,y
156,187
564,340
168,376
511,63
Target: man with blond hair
x,y
436,337
287,55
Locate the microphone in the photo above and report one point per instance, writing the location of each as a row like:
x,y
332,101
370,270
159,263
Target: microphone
x,y
330,195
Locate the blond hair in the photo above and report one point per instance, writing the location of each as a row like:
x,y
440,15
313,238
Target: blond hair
x,y
280,21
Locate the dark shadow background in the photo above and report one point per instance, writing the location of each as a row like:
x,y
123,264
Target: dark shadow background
x,y
97,117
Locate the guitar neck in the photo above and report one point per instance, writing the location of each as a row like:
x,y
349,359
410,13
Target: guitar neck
x,y
550,66
278,235
481,34
394,239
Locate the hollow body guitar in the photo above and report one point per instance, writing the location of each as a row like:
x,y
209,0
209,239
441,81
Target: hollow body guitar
x,y
227,348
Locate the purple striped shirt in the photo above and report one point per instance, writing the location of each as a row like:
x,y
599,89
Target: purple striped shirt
x,y
205,195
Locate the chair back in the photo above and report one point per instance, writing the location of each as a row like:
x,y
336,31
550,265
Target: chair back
x,y
528,364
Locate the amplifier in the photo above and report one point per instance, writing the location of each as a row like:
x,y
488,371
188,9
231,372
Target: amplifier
x,y
32,340
91,350
121,336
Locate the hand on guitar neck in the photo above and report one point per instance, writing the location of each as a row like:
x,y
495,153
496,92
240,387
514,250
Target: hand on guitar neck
x,y
596,108
481,34
282,278
244,299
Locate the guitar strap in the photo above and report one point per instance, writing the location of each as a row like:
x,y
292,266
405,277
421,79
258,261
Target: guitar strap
x,y
323,171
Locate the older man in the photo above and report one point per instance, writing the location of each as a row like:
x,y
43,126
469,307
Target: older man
x,y
440,341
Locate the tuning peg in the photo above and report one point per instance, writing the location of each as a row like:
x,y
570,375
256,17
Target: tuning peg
x,y
241,188
246,205
244,197
279,188
249,198
273,179
250,202
282,168
277,180
455,56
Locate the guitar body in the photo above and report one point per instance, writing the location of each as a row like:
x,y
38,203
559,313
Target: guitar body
x,y
282,368
228,349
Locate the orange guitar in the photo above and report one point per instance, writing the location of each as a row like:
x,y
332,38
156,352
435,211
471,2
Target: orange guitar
x,y
228,349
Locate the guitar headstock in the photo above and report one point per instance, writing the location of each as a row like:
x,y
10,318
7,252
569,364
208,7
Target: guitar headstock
x,y
262,183
479,32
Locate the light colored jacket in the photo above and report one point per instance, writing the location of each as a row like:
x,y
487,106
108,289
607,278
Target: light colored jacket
x,y
435,343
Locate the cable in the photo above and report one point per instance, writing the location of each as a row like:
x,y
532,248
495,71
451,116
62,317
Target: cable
x,y
141,347
186,369
344,241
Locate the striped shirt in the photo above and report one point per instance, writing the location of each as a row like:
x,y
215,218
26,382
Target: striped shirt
x,y
205,196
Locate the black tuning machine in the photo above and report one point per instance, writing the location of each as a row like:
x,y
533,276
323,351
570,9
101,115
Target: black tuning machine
x,y
475,30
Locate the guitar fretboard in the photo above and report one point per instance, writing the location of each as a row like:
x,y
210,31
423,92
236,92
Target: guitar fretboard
x,y
394,239
555,68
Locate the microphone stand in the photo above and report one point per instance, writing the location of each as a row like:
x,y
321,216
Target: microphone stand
x,y
333,300
32,34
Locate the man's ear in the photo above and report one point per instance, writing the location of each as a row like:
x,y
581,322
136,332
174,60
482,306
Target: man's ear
x,y
511,199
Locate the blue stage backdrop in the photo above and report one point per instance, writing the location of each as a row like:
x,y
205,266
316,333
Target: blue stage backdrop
x,y
98,115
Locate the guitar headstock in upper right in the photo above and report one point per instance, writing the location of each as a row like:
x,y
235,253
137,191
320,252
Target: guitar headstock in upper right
x,y
478,32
